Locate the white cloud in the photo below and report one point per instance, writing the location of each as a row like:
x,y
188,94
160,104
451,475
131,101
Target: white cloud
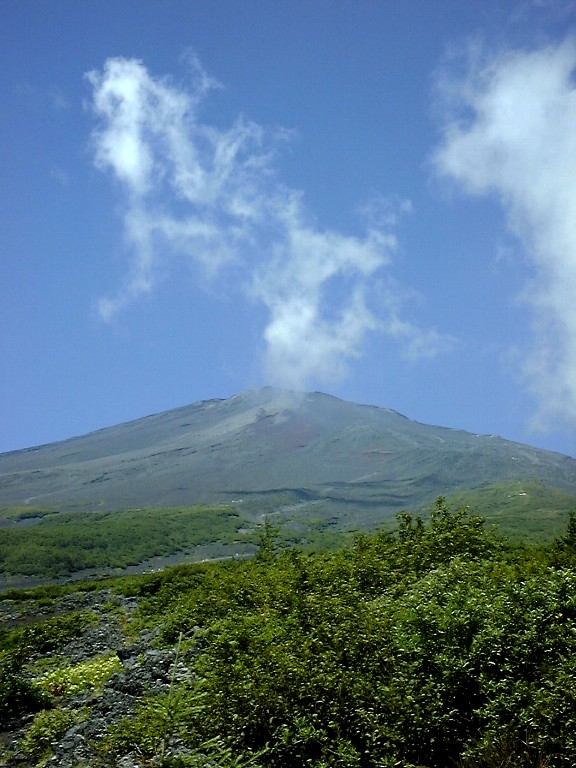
x,y
210,195
307,336
511,132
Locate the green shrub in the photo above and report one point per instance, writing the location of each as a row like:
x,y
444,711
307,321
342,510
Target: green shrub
x,y
48,635
161,717
47,727
157,719
437,645
18,695
422,648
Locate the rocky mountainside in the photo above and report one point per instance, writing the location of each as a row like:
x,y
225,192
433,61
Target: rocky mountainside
x,y
271,446
137,668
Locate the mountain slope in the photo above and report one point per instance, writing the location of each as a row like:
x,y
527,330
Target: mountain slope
x,y
276,447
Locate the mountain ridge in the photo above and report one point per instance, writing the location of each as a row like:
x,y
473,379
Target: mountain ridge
x,y
272,447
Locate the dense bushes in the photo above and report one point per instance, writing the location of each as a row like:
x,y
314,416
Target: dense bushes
x,y
438,645
17,693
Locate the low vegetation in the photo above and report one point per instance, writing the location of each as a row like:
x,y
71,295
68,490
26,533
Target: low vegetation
x,y
524,510
87,674
62,543
48,543
437,644
46,728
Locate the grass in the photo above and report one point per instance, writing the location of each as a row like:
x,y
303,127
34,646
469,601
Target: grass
x,y
21,513
46,728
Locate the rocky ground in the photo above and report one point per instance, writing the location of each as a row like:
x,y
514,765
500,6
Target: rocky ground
x,y
143,670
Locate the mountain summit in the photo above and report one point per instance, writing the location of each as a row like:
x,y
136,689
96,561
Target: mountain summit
x,y
271,447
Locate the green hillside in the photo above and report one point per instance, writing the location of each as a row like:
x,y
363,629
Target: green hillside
x,y
53,543
523,510
46,543
438,644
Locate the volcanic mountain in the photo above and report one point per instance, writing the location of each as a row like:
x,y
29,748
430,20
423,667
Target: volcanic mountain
x,y
272,449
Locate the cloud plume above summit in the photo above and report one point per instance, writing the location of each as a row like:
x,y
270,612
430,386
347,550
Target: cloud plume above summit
x,y
211,196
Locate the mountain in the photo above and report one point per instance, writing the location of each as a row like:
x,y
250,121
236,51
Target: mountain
x,y
309,453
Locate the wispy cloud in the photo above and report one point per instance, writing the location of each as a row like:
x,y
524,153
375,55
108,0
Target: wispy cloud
x,y
36,97
511,131
211,195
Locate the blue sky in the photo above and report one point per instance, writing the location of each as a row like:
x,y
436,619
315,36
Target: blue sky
x,y
372,199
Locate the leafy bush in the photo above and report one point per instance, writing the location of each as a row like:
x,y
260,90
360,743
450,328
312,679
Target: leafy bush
x,y
157,721
158,718
429,646
18,695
